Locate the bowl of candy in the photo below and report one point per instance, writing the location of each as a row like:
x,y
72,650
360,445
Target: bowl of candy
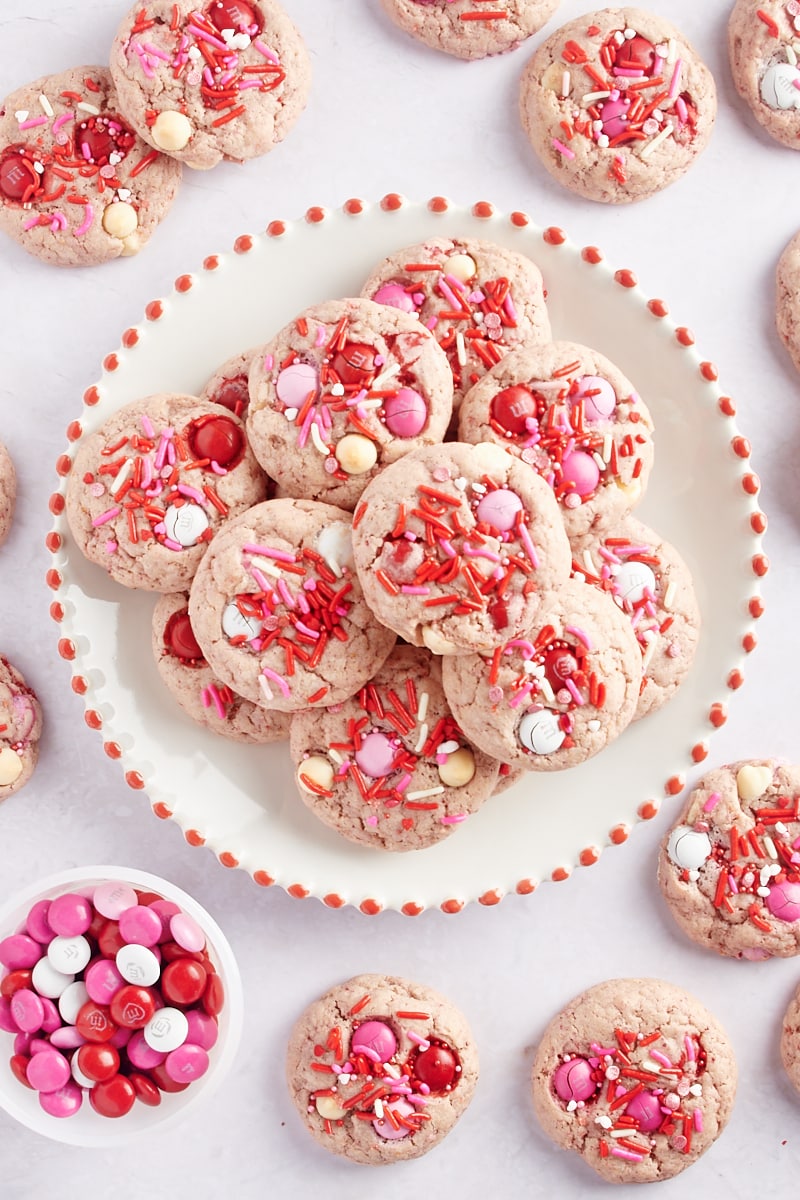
x,y
120,1005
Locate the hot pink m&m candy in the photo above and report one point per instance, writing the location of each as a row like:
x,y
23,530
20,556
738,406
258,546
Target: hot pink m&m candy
x,y
573,1080
62,1103
614,115
140,925
37,924
48,1071
499,509
141,1055
375,755
646,1109
27,1010
187,1063
580,469
203,1029
599,398
783,901
103,981
69,915
406,413
375,1040
19,950
395,296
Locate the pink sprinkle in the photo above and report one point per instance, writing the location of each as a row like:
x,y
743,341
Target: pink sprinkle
x,y
712,802
733,885
515,701
305,431
454,819
305,629
191,493
482,552
58,222
676,80
208,77
577,632
107,516
697,1118
269,362
562,149
689,1044
417,1040
168,542
415,591
202,36
448,547
405,780
528,649
217,701
573,691
682,110
265,50
29,224
62,120
629,72
147,426
260,578
268,673
87,152
528,545
161,453
628,1155
658,1057
285,594
441,474
86,224
111,546
371,821
33,122
447,292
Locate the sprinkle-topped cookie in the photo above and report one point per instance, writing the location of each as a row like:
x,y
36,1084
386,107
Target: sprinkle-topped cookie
x,y
191,681
764,46
651,583
790,1041
380,1069
8,492
204,82
149,490
471,28
573,416
77,185
279,612
479,300
390,768
730,868
559,692
617,104
228,386
637,1076
20,730
341,392
454,544
787,299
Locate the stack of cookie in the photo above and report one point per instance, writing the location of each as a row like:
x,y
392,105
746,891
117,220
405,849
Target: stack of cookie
x,y
446,587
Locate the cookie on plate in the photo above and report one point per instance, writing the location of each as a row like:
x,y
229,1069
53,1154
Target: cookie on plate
x,y
148,490
652,584
454,545
726,867
380,1069
637,1077
78,187
20,730
390,768
762,43
8,492
187,675
480,300
790,1041
228,386
278,609
617,104
225,80
557,694
573,416
787,306
469,30
343,390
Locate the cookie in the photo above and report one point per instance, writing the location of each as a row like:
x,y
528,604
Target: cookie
x,y
278,609
787,307
380,1069
653,585
727,868
151,487
228,386
572,415
480,300
469,30
790,1041
191,681
225,81
8,492
345,389
20,730
763,48
78,187
617,105
637,1077
507,776
557,694
454,544
390,768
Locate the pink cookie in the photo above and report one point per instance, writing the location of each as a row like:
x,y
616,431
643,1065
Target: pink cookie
x,y
8,492
790,1041
761,44
77,185
20,730
228,386
728,868
469,30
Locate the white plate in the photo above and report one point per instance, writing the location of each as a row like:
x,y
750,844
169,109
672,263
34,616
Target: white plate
x,y
240,801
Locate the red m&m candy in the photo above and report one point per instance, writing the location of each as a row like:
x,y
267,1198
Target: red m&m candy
x,y
436,1067
179,639
512,407
355,364
98,1061
94,1022
218,439
238,15
113,1097
132,1007
183,981
233,394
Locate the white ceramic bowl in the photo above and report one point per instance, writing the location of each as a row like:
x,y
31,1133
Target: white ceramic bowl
x,y
86,1127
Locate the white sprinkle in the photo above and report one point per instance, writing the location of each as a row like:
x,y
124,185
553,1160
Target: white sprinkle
x,y
607,443
630,34
599,461
316,438
265,688
588,562
22,114
121,475
370,404
422,711
335,755
124,193
781,829
391,1070
762,891
88,108
669,595
381,381
114,159
651,1065
593,726
337,389
546,690
422,739
290,413
649,652
672,51
47,107
604,1121
460,483
770,846
572,1105
379,1109
602,141
796,47
480,488
566,84
696,1089
655,142
435,791
194,52
461,349
791,57
592,97
529,667
38,168
266,565
447,748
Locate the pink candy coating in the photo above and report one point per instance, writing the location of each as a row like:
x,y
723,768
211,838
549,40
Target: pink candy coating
x,y
140,925
7,1022
63,1103
19,951
375,1040
203,1029
27,1010
103,981
52,1017
783,901
48,1071
111,899
646,1109
499,509
600,406
406,413
611,113
394,294
573,1080
580,469
187,933
295,382
375,755
37,924
142,1055
69,915
66,1038
187,1063
386,1129
164,910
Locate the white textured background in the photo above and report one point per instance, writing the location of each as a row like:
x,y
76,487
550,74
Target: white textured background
x,y
388,115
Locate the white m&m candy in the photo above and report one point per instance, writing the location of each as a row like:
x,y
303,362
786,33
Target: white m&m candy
x,y
689,848
186,524
540,731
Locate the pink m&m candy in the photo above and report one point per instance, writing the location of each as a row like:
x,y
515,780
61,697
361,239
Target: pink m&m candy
x,y
384,1127
599,398
187,933
64,1102
103,981
187,1063
48,1071
140,925
580,469
573,1080
499,509
37,924
141,1055
27,1010
375,755
646,1109
406,413
396,296
375,1040
296,383
614,115
203,1029
19,950
111,899
69,915
783,901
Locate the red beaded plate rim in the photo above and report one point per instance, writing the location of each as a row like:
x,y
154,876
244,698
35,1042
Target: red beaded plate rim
x,y
555,237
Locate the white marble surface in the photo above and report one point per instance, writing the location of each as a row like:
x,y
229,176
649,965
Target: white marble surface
x,y
387,115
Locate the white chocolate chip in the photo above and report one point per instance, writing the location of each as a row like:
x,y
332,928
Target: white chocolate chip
x,y
356,454
329,1109
459,768
461,266
171,131
120,220
131,245
10,766
435,642
318,770
752,781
